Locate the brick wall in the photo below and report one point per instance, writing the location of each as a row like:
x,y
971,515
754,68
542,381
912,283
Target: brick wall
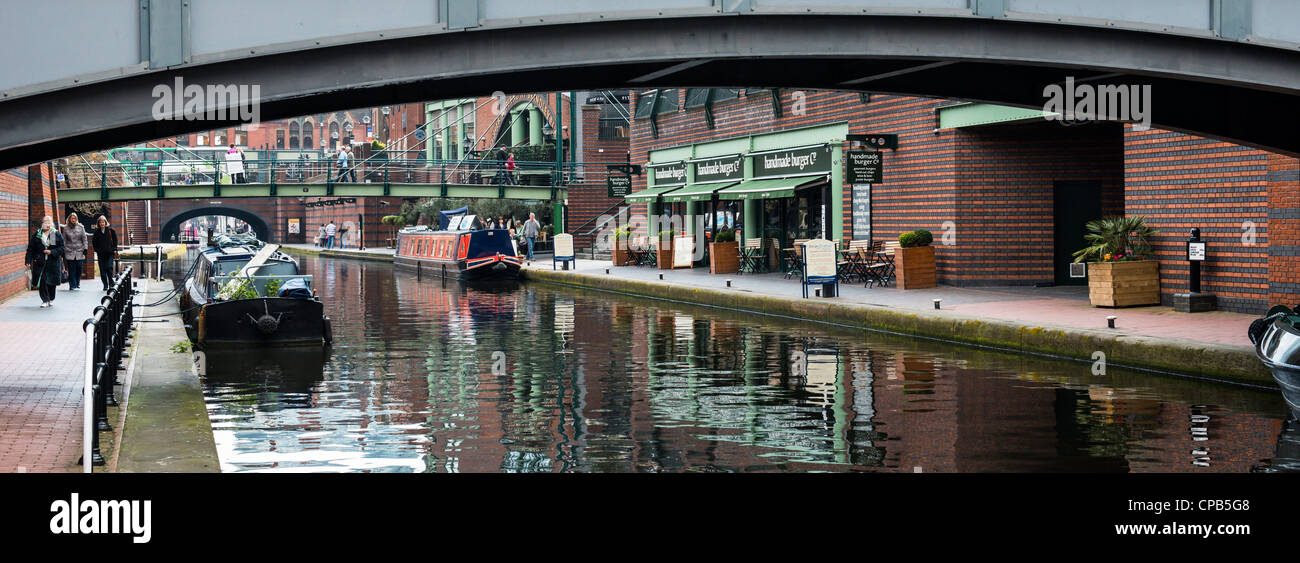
x,y
1181,181
14,231
1283,231
1005,188
589,199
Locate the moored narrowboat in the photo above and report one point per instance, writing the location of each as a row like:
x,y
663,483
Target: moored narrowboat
x,y
1277,344
241,293
460,250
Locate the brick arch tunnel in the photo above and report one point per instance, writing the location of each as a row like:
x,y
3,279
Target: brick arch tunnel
x,y
171,228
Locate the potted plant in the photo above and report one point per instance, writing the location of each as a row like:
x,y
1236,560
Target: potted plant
x,y
1121,272
914,260
620,253
664,250
724,253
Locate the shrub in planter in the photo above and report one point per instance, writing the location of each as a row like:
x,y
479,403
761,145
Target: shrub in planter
x,y
724,253
1121,272
914,260
620,253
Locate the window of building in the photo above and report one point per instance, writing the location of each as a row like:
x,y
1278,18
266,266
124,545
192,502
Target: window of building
x,y
645,103
279,138
667,101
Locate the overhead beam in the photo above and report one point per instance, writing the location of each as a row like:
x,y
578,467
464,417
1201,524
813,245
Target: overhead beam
x,y
900,72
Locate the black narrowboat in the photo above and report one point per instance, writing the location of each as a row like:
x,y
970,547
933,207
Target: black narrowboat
x,y
461,251
1277,345
241,293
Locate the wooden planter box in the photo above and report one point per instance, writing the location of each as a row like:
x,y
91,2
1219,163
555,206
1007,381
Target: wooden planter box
x,y
1124,284
664,256
724,257
914,267
620,255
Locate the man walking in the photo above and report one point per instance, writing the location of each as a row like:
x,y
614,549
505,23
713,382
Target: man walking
x,y
330,229
531,229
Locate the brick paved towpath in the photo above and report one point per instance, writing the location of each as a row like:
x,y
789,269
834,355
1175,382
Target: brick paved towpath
x,y
42,362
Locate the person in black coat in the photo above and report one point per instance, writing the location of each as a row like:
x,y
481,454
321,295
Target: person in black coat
x,y
103,240
45,257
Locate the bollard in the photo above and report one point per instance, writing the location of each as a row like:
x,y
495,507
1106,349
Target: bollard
x,y
606,270
1110,321
728,283
936,302
661,276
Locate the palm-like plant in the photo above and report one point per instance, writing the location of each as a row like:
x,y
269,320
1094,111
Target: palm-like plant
x,y
1116,238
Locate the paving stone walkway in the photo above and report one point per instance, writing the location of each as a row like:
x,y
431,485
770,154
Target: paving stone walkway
x,y
42,363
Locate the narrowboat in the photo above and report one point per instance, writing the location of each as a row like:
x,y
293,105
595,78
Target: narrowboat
x,y
1277,345
241,293
460,250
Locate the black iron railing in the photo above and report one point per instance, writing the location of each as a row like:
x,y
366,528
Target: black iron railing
x,y
106,340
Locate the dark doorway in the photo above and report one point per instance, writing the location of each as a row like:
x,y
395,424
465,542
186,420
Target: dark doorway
x,y
1074,205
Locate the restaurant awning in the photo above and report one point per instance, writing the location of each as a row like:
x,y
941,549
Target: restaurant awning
x,y
770,188
697,192
649,194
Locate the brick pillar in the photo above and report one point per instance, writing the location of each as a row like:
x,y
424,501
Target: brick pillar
x,y
1283,231
41,199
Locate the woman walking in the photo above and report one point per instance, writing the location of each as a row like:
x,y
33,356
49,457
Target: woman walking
x,y
103,239
44,255
74,250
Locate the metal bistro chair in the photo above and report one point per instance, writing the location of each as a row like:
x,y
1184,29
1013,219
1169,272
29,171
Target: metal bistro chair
x,y
640,251
752,256
883,264
793,262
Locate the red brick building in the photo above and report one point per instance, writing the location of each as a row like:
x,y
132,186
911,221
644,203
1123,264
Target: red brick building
x,y
1009,189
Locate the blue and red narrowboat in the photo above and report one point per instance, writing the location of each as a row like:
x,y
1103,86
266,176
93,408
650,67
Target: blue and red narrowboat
x,y
480,256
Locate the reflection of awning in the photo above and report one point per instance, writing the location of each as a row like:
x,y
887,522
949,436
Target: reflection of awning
x,y
697,192
771,188
649,194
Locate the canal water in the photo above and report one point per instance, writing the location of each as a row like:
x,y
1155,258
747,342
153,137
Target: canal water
x,y
427,377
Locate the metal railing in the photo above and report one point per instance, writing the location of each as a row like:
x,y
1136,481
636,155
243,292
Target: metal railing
x,y
197,172
106,340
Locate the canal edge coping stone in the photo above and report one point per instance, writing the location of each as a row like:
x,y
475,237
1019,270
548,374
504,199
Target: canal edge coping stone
x,y
1208,360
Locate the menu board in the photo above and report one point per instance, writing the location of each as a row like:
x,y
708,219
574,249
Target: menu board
x,y
819,261
862,212
618,185
683,251
563,246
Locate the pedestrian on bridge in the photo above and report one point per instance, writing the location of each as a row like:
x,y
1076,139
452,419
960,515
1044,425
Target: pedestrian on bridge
x,y
235,164
75,242
345,154
44,256
103,240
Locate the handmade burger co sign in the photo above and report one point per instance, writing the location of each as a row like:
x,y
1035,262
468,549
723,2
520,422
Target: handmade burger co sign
x,y
719,169
792,162
671,174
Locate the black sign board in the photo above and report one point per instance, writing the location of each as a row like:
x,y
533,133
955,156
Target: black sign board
x,y
876,140
603,98
668,174
793,162
619,185
634,169
865,167
718,169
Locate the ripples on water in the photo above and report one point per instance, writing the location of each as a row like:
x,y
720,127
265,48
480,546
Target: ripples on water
x,y
424,378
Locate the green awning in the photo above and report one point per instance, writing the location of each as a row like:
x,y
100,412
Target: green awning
x,y
697,192
649,194
770,188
